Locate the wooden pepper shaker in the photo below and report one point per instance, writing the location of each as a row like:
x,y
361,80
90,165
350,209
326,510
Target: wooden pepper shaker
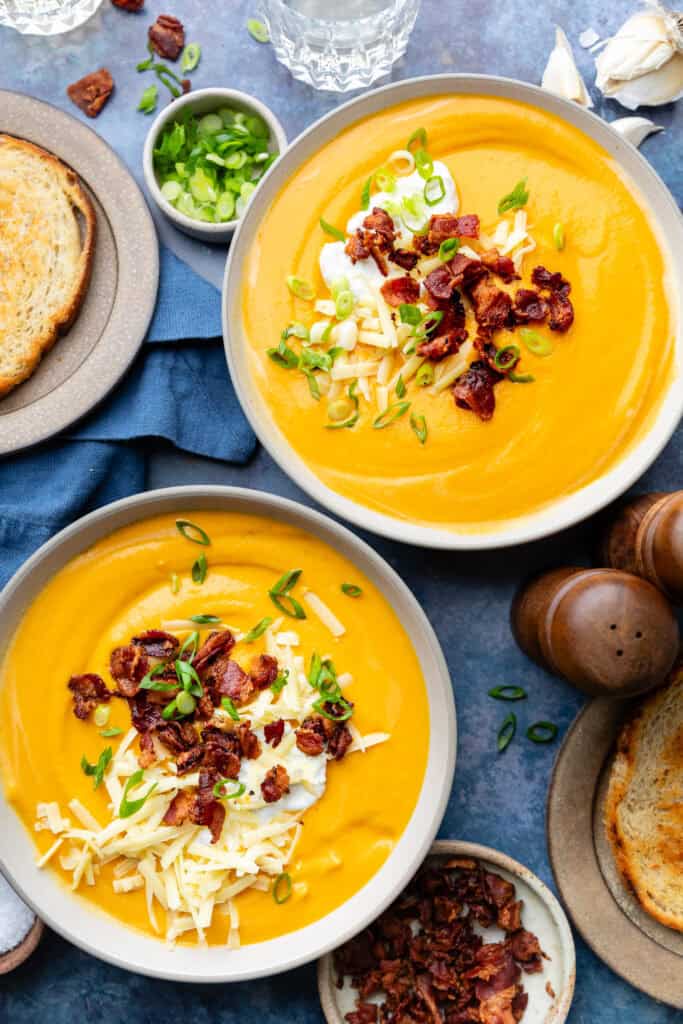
x,y
646,538
607,632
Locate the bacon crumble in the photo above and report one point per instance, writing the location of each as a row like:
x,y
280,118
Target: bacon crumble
x,y
91,92
275,784
167,36
87,692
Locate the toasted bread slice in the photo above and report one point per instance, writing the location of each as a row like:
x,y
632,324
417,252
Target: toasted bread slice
x,y
644,808
45,255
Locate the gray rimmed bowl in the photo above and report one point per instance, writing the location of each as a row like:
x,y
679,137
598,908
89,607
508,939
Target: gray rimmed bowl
x,y
550,991
105,937
205,101
555,515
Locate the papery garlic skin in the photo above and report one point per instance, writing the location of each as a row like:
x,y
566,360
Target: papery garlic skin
x,y
635,129
643,63
561,75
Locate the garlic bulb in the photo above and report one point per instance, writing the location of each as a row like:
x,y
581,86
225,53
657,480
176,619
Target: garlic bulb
x,y
643,63
562,76
635,129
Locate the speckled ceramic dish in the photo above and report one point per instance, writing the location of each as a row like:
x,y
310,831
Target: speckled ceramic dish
x,y
90,359
542,915
104,936
633,944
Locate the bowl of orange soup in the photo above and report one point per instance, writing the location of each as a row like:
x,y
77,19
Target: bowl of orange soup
x,y
452,313
227,733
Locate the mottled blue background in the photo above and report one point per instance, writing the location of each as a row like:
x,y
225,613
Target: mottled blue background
x,y
467,596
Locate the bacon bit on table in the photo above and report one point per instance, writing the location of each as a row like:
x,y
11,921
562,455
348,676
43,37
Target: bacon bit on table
x,y
425,960
91,92
88,691
275,784
129,5
167,36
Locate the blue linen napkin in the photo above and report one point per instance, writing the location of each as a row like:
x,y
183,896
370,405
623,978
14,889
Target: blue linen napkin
x,y
176,390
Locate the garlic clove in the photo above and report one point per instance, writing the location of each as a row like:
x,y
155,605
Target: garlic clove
x,y
589,37
635,129
561,75
643,44
652,90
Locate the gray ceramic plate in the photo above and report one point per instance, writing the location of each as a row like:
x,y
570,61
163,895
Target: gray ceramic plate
x,y
103,936
617,929
542,915
91,358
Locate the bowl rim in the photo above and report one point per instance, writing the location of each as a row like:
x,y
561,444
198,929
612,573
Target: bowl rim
x,y
214,231
556,515
106,937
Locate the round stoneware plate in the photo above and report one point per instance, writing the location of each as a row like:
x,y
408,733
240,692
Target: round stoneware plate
x,y
633,944
89,360
553,517
107,938
542,915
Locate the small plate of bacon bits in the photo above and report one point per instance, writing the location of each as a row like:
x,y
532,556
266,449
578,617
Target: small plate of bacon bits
x,y
476,938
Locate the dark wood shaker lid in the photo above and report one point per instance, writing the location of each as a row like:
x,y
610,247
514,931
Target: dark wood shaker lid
x,y
659,548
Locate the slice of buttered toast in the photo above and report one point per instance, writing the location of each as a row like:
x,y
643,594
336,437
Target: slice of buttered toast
x,y
45,255
644,809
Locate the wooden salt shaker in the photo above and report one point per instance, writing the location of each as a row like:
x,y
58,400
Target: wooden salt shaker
x,y
607,632
646,538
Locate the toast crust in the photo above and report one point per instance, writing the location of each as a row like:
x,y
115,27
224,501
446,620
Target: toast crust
x,y
61,318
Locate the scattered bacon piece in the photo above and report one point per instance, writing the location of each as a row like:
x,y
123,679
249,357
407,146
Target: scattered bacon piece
x,y
474,389
375,238
311,737
206,809
204,707
232,681
399,290
404,258
249,741
145,712
492,305
510,916
529,307
355,249
129,5
552,282
177,737
275,784
88,691
222,752
128,666
157,643
274,731
466,270
339,742
561,312
263,671
366,1013
441,282
216,645
190,760
167,36
147,755
527,951
443,226
179,809
445,345
503,266
91,92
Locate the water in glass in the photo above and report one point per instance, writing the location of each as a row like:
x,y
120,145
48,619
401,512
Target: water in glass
x,y
339,44
46,17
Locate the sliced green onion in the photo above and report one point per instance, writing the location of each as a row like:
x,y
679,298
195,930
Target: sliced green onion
x,y
257,631
385,180
314,360
559,237
283,356
325,336
542,732
334,698
351,590
400,387
312,384
282,888
297,330
210,124
390,414
520,378
302,289
506,357
185,703
434,190
339,410
340,284
330,229
424,164
258,31
507,732
128,807
280,595
409,314
220,791
344,304
101,715
314,670
419,135
516,199
419,427
429,322
535,342
425,375
169,711
148,100
508,693
353,414
175,583
229,705
190,644
150,681
205,620
190,57
97,770
111,731
199,569
280,682
192,532
414,213
448,249
188,678
365,194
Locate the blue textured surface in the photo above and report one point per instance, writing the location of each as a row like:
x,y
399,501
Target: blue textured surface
x,y
497,802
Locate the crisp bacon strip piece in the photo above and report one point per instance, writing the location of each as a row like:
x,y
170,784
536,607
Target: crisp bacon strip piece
x,y
274,731
167,36
88,691
145,711
466,270
222,752
311,737
503,266
558,289
375,238
157,643
190,760
527,951
177,737
529,307
129,5
263,671
91,92
128,666
441,283
275,784
339,742
552,282
147,755
217,645
473,390
249,741
399,290
404,258
445,345
492,306
179,809
206,809
230,680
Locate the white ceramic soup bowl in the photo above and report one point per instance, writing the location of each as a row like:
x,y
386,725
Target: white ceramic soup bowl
x,y
556,515
80,921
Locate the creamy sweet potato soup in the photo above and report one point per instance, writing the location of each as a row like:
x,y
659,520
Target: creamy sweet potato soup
x,y
215,729
457,312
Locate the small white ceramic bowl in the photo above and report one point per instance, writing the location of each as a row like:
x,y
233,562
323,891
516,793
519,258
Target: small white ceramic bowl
x,y
205,101
541,914
108,938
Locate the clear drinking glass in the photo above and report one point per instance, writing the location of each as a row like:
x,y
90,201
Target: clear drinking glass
x,y
339,44
46,17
